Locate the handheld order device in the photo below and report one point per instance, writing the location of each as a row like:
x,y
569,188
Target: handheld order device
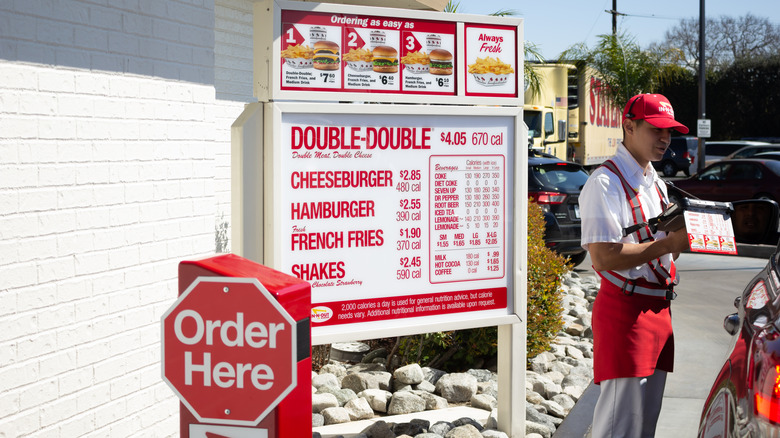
x,y
673,219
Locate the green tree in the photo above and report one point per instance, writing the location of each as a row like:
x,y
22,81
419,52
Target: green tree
x,y
530,50
626,69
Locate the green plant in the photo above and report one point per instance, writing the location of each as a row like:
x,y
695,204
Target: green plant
x,y
545,273
450,351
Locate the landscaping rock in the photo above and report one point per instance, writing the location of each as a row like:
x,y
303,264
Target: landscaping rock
x,y
457,387
405,402
409,374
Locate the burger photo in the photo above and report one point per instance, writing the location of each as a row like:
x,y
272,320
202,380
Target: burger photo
x,y
326,55
385,59
441,62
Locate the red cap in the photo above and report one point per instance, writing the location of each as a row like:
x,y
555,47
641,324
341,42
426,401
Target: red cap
x,y
656,109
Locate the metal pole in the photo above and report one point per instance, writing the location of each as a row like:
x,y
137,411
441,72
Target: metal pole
x,y
702,83
614,17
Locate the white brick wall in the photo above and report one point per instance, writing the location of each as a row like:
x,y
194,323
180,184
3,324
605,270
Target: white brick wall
x,y
233,63
114,166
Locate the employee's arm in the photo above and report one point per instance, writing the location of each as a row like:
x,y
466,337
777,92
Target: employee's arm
x,y
607,256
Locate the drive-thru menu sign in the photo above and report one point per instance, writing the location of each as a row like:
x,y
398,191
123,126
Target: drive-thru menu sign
x,y
391,212
395,215
404,210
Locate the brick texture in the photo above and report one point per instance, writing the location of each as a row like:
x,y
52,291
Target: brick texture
x,y
114,166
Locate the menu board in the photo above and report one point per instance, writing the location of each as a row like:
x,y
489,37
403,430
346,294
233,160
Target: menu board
x,y
397,215
323,51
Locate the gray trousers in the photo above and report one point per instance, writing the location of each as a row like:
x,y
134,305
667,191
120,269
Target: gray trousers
x,y
629,407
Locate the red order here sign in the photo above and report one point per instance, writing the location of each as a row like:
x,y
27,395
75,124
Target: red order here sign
x,y
229,350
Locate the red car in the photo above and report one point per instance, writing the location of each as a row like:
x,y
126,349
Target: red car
x,y
732,180
744,400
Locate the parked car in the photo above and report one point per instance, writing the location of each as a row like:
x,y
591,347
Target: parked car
x,y
718,150
732,180
556,186
744,400
751,151
680,155
768,156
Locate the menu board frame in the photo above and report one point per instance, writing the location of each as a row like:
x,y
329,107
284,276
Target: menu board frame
x,y
276,181
402,85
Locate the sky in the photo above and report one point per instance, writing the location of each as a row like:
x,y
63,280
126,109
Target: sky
x,y
555,25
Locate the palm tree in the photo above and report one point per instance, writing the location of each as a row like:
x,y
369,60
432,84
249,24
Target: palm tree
x,y
626,69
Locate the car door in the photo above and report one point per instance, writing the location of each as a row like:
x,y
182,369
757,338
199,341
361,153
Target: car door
x,y
709,184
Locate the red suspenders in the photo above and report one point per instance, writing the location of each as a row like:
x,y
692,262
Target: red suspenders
x,y
665,277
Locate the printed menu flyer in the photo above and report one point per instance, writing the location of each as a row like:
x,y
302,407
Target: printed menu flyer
x,y
710,232
336,52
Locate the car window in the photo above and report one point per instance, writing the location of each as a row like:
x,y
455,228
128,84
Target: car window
x,y
721,149
549,124
745,153
767,149
744,171
773,166
533,120
715,173
559,176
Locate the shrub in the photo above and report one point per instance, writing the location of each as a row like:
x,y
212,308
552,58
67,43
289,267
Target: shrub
x,y
451,351
545,273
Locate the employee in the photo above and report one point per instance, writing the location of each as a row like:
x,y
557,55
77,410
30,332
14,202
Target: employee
x,y
632,326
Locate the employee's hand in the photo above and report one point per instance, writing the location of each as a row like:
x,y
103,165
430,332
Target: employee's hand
x,y
677,241
614,256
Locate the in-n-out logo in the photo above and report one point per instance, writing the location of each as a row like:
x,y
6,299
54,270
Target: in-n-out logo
x,y
666,107
317,33
432,41
321,314
377,38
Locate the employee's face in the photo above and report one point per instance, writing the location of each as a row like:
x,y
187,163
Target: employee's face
x,y
648,142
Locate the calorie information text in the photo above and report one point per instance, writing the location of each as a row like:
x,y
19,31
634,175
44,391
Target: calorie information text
x,y
382,210
466,218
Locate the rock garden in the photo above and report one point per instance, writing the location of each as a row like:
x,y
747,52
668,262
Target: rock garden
x,y
344,392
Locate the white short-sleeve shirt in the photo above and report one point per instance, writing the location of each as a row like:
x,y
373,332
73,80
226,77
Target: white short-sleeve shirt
x,y
606,212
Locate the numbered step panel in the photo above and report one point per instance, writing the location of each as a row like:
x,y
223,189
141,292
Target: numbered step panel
x,y
321,51
466,226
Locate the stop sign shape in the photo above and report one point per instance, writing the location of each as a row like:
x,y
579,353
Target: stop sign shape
x,y
229,350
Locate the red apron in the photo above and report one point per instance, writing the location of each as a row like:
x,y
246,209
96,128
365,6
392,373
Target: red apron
x,y
632,334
